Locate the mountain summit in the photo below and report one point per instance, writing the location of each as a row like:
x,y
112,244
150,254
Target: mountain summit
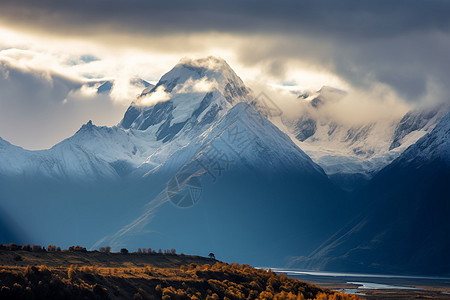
x,y
197,164
192,89
405,226
200,127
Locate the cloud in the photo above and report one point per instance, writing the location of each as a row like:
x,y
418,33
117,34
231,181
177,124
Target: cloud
x,y
123,89
404,63
360,45
202,85
374,19
353,107
157,96
403,45
38,111
85,92
210,63
358,107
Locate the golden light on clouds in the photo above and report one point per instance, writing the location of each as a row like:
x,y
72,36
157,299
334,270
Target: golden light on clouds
x,y
284,51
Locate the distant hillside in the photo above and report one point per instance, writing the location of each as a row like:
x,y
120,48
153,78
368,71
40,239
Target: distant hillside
x,y
97,275
405,227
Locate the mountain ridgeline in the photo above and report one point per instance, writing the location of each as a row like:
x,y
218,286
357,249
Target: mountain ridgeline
x,y
405,222
197,164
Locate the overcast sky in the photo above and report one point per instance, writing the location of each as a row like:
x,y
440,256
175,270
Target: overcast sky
x,y
49,49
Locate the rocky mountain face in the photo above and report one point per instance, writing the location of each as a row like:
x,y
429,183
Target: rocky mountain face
x,y
191,154
405,225
197,164
351,154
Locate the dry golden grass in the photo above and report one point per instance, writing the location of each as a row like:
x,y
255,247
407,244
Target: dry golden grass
x,y
181,280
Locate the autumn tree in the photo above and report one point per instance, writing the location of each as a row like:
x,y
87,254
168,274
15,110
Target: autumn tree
x,y
37,248
77,249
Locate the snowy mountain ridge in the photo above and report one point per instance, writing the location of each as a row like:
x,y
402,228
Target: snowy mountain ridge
x,y
180,92
352,153
183,108
200,132
410,195
197,94
434,145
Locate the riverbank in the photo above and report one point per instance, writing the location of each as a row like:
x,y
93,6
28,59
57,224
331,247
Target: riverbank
x,y
376,286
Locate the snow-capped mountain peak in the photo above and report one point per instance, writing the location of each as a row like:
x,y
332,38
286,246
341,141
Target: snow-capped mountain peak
x,y
434,145
213,72
194,91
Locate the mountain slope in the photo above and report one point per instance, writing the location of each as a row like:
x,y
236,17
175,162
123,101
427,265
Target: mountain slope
x,y
256,186
351,154
197,92
64,161
198,128
416,122
185,91
405,227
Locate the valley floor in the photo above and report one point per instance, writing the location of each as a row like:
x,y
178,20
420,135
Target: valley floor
x,y
95,275
379,287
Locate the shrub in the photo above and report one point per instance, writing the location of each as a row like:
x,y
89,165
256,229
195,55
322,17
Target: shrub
x,y
106,249
266,295
148,270
12,247
213,297
71,273
124,251
77,249
37,248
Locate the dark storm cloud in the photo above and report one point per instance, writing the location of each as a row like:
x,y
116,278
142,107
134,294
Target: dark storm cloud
x,y
344,18
403,44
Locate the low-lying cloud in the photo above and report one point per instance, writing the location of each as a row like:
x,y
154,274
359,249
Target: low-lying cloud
x,y
202,85
157,96
38,110
351,107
